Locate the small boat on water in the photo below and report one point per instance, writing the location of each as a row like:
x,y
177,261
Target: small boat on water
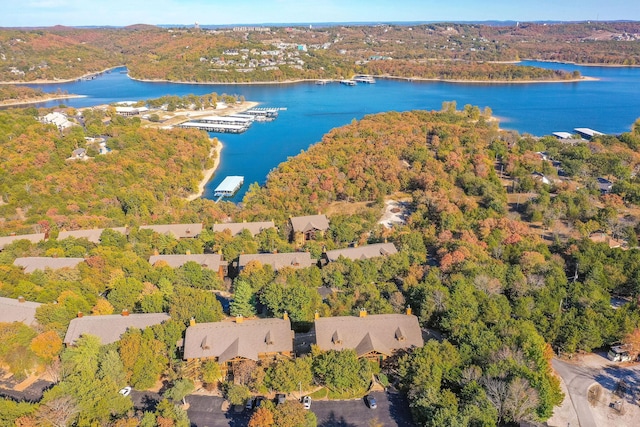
x,y
348,82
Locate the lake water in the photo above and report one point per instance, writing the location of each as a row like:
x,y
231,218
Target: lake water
x,y
609,105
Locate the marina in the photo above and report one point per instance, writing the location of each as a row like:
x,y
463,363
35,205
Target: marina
x,y
228,187
215,127
263,113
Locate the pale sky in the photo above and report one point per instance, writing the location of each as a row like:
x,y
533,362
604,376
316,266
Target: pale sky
x,y
30,13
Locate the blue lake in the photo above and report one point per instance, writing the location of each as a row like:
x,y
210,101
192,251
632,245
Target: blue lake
x,y
611,105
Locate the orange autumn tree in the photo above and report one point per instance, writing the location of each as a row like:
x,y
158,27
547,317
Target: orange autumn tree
x,y
47,345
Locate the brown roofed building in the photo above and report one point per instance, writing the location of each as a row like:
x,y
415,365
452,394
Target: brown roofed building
x,y
278,260
179,231
92,235
231,342
305,228
31,264
111,327
18,310
236,228
33,238
361,252
209,261
372,336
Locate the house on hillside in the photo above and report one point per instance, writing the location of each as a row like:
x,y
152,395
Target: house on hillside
x,y
79,154
303,228
231,342
93,235
212,262
236,228
374,337
31,264
18,310
601,236
604,185
179,231
58,119
278,260
539,177
33,238
111,327
360,252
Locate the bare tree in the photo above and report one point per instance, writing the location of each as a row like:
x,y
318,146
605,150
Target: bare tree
x,y
242,371
59,412
497,390
522,400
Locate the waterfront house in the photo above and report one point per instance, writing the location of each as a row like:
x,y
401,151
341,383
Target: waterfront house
x,y
31,264
110,328
303,228
231,342
360,252
374,337
18,310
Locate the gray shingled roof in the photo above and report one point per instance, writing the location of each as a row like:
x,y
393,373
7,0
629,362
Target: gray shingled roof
x,y
303,224
178,230
279,260
33,238
12,310
210,261
381,333
237,227
92,235
229,340
31,264
110,328
363,252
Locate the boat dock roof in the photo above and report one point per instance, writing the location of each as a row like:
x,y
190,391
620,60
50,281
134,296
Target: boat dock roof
x,y
228,186
589,133
225,120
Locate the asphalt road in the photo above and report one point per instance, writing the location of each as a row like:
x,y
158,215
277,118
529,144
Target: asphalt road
x,y
578,379
392,411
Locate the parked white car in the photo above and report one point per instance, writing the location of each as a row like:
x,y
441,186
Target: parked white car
x,y
125,391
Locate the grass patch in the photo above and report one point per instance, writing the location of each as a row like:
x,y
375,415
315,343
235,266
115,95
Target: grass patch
x,y
320,394
348,394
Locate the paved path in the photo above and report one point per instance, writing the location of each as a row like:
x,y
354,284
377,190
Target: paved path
x,y
578,379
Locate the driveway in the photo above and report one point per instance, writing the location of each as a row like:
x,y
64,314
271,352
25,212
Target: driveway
x,y
595,369
392,411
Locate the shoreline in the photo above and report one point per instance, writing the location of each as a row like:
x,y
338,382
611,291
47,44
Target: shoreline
x,y
52,82
424,79
208,173
38,101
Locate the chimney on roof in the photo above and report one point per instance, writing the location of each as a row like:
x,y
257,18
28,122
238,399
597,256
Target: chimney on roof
x,y
188,231
125,312
21,299
188,252
408,310
285,316
156,252
192,321
80,314
363,312
239,319
316,316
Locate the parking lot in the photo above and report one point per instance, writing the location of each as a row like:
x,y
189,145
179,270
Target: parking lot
x,y
392,411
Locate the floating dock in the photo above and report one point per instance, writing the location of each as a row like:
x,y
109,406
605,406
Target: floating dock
x,y
263,113
215,127
364,79
228,187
